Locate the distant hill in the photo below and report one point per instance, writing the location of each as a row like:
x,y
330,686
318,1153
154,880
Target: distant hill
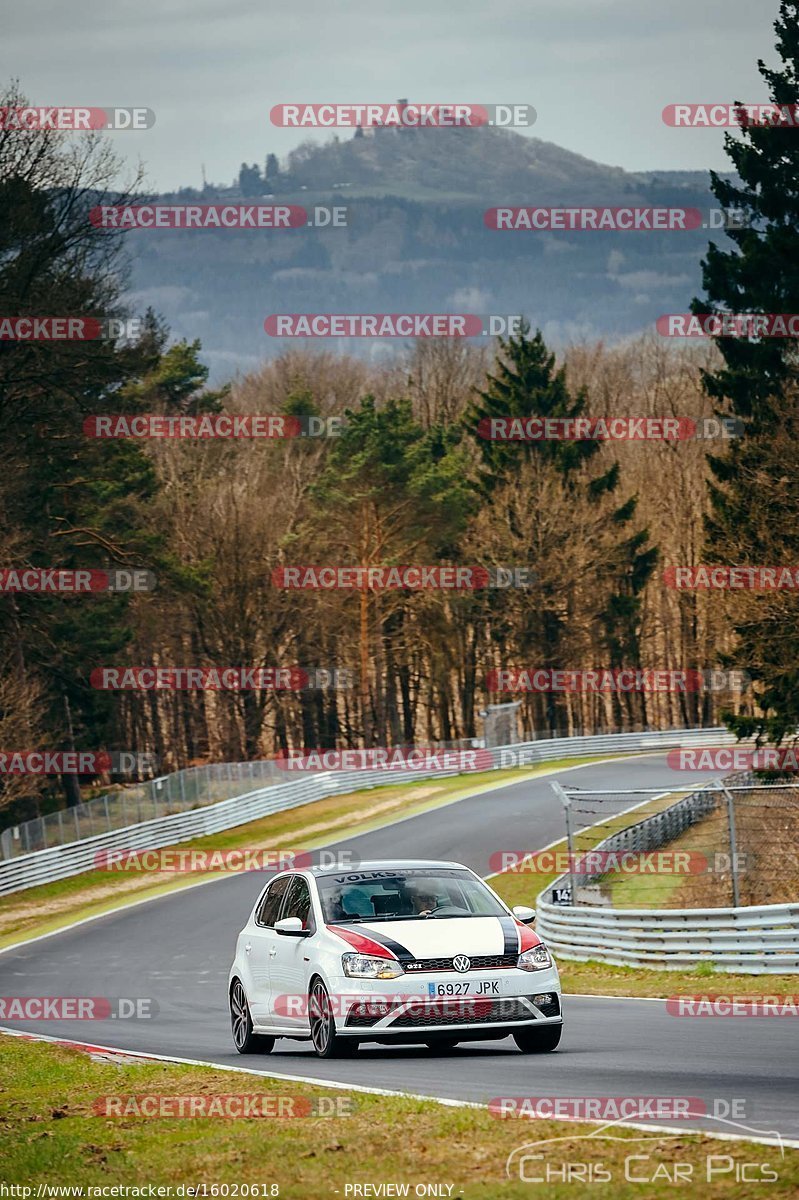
x,y
416,241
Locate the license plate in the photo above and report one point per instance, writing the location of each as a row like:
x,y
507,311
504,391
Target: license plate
x,y
478,987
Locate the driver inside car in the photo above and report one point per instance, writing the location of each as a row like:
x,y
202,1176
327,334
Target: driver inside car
x,y
423,903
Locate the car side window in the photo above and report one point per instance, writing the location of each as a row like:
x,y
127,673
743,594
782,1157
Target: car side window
x,y
270,905
299,902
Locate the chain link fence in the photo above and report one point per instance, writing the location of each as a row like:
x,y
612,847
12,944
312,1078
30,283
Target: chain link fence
x,y
734,843
182,791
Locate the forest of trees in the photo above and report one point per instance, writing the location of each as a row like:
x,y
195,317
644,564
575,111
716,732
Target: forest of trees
x,y
408,480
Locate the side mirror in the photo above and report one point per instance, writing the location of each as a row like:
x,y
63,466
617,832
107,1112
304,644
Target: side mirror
x,y
291,927
521,912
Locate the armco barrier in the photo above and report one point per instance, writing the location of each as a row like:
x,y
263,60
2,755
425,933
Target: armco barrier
x,y
761,940
59,862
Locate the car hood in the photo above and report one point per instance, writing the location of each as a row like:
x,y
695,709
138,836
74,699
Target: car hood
x,y
442,937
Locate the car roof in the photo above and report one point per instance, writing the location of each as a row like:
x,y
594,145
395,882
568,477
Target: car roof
x,y
389,864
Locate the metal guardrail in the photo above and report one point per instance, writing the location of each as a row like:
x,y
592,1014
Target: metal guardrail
x,y
756,940
761,940
72,858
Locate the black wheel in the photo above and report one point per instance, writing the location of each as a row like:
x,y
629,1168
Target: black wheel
x,y
245,1040
441,1045
538,1041
326,1042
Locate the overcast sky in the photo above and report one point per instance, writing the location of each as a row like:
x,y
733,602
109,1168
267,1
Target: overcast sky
x,y
598,72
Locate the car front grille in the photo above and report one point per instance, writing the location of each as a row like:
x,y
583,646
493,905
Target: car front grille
x,y
480,962
423,1014
473,1012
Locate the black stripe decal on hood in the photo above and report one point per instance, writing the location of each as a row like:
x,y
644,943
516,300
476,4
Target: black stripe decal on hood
x,y
511,932
400,952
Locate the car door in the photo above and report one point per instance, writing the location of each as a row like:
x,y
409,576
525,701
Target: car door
x,y
261,940
291,959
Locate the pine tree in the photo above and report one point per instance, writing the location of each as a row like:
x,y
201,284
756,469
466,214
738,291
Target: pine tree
x,y
526,383
761,273
753,486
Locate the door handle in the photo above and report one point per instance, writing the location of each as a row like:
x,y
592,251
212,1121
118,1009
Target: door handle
x,y
247,948
273,952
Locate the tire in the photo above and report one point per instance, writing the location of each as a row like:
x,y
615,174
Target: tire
x,y
245,1041
326,1042
538,1041
441,1045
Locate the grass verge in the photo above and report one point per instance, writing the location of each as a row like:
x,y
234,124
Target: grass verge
x,y
51,1136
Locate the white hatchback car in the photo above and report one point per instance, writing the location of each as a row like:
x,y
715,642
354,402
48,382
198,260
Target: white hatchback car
x,y
391,952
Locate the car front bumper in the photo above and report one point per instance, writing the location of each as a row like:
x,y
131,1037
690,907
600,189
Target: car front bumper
x,y
495,1002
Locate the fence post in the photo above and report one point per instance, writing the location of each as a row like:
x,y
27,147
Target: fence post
x,y
736,898
566,802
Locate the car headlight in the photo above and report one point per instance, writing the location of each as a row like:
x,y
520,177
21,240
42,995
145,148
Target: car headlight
x,y
363,966
536,959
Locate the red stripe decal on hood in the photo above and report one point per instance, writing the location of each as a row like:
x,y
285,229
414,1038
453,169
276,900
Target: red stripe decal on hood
x,y
361,942
528,937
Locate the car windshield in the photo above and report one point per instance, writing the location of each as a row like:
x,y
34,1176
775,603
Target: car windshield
x,y
405,895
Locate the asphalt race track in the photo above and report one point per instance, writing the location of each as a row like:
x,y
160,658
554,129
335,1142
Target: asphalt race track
x,y
178,950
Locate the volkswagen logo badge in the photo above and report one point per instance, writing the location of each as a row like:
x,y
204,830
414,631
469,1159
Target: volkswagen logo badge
x,y
461,962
